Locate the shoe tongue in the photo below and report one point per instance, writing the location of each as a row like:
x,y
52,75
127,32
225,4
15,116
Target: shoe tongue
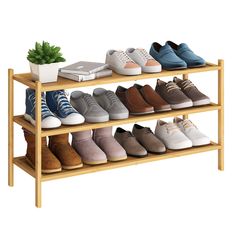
x,y
176,80
160,82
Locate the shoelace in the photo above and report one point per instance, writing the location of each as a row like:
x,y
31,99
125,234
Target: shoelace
x,y
45,112
188,124
112,97
187,84
124,57
63,103
172,86
145,54
171,127
89,100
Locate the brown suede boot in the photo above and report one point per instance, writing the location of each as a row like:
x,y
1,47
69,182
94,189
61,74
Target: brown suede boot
x,y
50,164
61,148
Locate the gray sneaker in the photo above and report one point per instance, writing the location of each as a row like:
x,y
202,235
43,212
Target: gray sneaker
x,y
191,91
173,94
111,103
86,105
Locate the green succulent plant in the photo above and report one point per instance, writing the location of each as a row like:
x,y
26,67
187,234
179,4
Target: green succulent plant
x,y
45,54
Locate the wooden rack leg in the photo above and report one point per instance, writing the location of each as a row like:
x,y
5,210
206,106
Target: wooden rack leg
x,y
221,114
185,77
38,146
10,127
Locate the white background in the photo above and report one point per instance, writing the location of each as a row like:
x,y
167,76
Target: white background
x,y
183,196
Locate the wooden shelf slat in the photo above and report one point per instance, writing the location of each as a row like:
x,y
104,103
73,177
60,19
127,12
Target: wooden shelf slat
x,y
63,83
23,164
132,119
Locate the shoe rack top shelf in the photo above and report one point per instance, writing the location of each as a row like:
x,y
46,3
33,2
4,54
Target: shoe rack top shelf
x,y
115,78
132,119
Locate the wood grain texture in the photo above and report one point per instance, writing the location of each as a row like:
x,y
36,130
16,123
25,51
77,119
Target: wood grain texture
x,y
221,114
10,127
38,146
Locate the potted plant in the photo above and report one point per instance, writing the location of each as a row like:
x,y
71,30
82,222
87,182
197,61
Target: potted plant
x,y
44,62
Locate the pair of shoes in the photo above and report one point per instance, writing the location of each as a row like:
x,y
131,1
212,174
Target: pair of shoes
x,y
97,148
180,134
57,155
132,62
141,99
173,56
181,93
55,109
100,107
139,142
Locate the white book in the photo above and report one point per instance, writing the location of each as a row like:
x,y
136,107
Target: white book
x,y
84,67
76,77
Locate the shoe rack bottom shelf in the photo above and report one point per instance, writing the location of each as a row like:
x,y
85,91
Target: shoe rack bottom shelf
x,y
23,164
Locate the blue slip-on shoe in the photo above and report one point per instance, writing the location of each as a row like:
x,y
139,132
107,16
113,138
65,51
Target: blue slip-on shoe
x,y
48,118
167,57
185,53
59,104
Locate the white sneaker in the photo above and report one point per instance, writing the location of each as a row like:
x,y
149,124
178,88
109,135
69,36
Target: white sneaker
x,y
144,59
171,136
192,132
121,63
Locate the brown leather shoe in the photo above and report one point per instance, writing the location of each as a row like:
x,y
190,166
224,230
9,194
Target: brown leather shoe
x,y
148,140
50,164
153,98
127,140
134,101
61,148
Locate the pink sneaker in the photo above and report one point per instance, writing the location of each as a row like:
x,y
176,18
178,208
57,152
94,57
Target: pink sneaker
x,y
89,152
104,139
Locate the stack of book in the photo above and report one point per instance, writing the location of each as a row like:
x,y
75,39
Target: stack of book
x,y
85,70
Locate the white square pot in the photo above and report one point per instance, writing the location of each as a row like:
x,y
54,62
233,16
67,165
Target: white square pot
x,y
44,73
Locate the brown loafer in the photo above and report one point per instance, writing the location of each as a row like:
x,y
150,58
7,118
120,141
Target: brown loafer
x,y
61,148
153,98
134,101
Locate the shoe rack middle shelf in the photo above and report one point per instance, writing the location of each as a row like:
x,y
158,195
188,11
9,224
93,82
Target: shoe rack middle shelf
x,y
132,119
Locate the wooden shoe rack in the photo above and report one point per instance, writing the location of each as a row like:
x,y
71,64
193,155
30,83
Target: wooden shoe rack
x,y
115,78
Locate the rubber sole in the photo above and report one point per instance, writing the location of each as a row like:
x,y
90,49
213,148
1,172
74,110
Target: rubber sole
x,y
123,71
33,122
176,68
181,105
44,171
141,113
161,110
202,102
138,156
197,66
114,159
72,167
95,162
119,116
151,69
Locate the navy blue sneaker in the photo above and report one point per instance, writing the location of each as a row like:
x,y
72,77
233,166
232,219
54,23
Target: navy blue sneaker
x,y
48,118
185,53
58,103
167,57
